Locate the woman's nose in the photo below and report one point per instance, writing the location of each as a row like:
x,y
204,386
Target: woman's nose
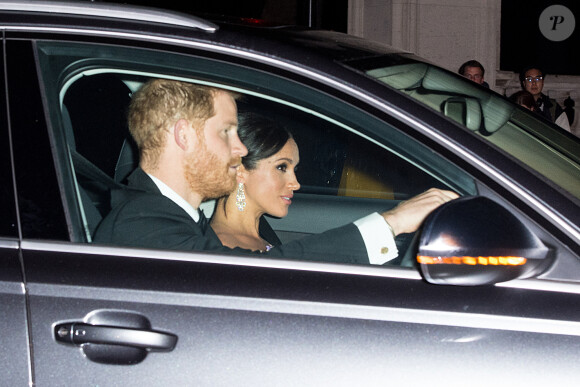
x,y
294,185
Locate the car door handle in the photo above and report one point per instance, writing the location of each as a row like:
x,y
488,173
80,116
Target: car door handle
x,y
77,333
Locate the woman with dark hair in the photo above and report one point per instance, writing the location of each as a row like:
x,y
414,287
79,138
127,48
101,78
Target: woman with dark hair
x,y
525,99
266,185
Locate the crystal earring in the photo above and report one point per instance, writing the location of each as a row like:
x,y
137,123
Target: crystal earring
x,y
240,197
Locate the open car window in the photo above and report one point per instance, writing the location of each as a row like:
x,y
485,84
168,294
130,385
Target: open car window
x,y
351,162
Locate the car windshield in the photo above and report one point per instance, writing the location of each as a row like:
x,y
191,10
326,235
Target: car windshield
x,y
548,150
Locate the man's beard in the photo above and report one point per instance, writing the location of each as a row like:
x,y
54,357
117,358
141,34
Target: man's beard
x,y
209,176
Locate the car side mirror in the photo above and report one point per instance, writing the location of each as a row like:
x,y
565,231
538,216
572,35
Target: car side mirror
x,y
475,241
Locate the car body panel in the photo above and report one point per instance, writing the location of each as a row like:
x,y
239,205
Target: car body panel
x,y
294,326
14,340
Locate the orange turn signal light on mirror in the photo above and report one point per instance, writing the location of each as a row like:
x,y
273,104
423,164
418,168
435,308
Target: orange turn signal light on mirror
x,y
466,260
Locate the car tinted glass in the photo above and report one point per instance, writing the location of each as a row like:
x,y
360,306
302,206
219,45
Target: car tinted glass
x,y
548,150
8,206
40,205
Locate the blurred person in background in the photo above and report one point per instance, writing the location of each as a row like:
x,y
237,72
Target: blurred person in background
x,y
532,80
473,70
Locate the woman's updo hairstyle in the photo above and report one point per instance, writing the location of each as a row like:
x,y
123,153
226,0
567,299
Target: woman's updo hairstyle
x,y
262,136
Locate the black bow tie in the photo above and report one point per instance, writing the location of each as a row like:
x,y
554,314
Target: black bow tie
x,y
203,222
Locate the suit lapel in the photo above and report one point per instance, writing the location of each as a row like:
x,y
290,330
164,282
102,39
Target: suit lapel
x,y
139,180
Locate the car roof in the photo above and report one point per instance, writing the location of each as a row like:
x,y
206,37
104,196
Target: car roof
x,y
300,41
108,10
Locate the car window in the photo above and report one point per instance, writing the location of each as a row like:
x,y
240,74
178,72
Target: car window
x,y
549,151
8,210
351,162
8,219
40,206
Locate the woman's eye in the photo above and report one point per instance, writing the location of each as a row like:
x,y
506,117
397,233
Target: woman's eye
x,y
282,167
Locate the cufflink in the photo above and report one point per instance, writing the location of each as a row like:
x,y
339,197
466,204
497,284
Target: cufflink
x,y
384,250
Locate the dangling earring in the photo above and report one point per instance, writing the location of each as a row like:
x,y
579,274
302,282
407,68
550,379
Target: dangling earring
x,y
240,197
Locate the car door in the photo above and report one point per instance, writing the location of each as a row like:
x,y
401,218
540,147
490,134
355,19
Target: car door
x,y
106,315
14,352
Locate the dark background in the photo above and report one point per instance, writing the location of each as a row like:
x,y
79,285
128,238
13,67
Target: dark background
x,y
324,14
522,42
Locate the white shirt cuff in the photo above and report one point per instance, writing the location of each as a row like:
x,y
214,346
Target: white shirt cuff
x,y
378,238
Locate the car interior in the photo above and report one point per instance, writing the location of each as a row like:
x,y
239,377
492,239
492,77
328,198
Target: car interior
x,y
96,130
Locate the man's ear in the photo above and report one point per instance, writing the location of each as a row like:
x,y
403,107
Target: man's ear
x,y
180,133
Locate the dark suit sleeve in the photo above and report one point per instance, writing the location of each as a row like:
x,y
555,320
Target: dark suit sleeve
x,y
151,220
340,245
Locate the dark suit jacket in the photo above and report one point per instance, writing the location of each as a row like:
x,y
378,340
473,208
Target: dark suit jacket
x,y
551,110
143,217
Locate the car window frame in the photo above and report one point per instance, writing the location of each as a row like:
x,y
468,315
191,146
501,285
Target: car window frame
x,y
42,214
91,66
230,83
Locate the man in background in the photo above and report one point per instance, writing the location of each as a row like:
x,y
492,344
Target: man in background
x,y
473,70
532,80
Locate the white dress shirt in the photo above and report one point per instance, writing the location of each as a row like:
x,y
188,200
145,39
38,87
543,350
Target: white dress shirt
x,y
378,237
171,194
